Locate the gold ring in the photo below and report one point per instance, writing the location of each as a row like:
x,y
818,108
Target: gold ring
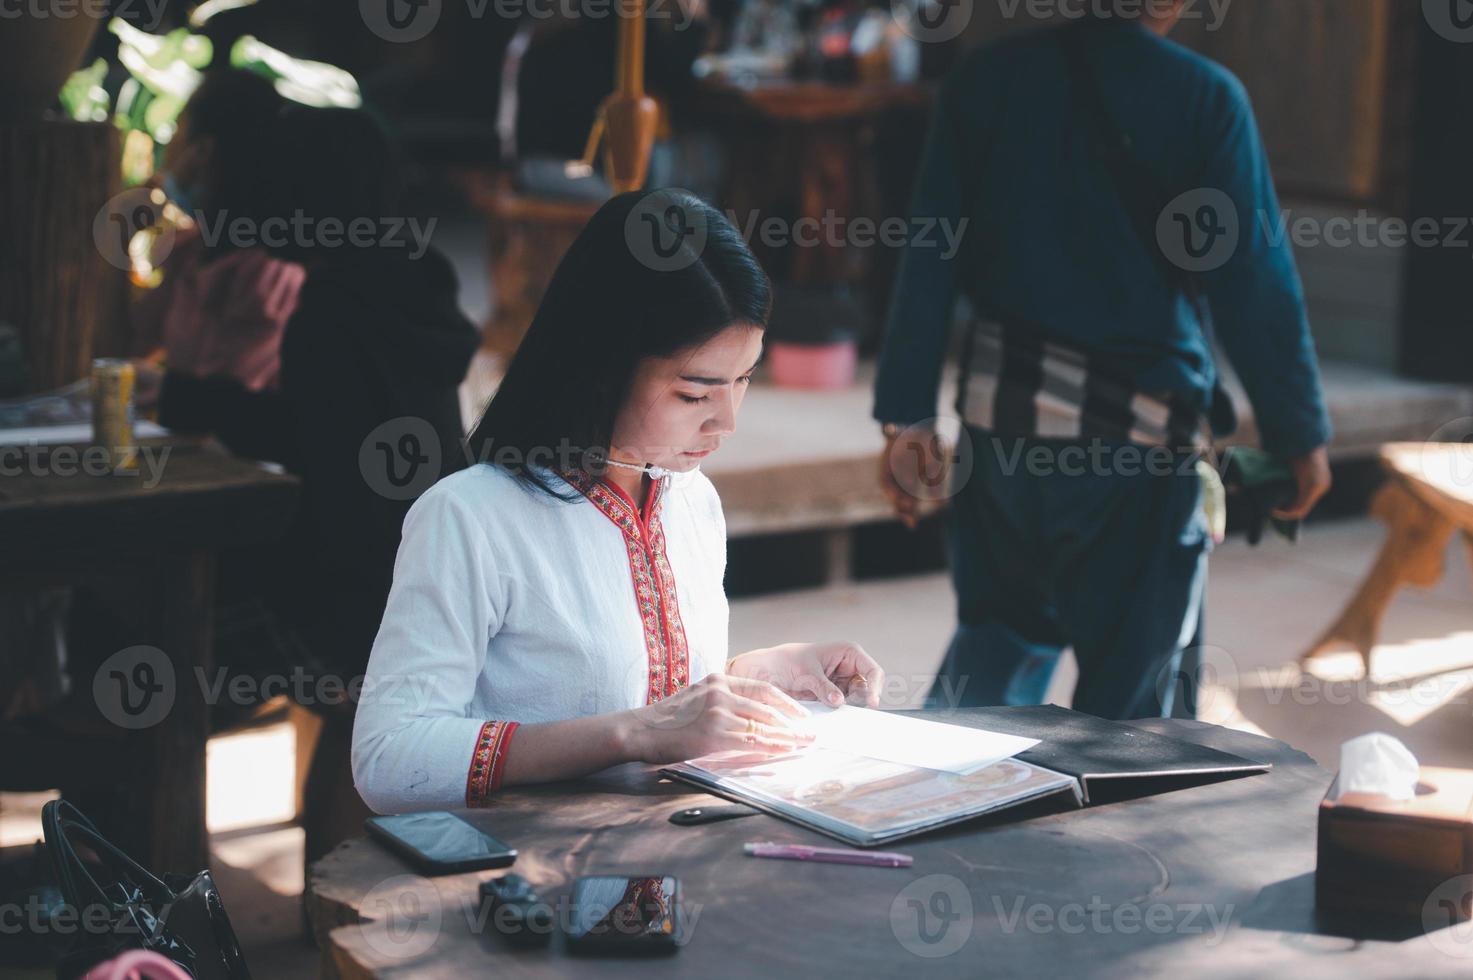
x,y
751,727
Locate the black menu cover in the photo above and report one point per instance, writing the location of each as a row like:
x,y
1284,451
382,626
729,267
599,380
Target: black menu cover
x,y
1092,749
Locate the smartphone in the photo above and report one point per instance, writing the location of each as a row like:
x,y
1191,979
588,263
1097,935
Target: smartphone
x,y
439,843
615,915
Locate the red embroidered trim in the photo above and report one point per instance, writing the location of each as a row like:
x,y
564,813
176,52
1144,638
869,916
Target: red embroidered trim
x,y
654,582
488,760
677,676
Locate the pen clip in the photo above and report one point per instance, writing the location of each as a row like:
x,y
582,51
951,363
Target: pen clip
x,y
692,816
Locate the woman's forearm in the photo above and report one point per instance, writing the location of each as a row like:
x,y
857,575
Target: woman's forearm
x,y
567,749
430,763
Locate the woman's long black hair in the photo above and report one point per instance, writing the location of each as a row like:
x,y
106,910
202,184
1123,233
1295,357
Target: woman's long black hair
x,y
650,274
236,110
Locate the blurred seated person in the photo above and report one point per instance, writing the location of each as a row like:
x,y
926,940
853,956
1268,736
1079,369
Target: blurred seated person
x,y
220,309
367,413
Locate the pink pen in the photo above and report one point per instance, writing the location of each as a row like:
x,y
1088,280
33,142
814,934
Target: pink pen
x,y
833,855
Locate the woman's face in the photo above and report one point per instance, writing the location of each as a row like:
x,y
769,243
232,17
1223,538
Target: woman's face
x,y
680,408
188,159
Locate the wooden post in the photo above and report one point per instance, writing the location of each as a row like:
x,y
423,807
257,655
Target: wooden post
x,y
55,286
1436,337
175,809
630,116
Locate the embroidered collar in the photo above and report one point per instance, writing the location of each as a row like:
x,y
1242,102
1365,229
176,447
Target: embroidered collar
x,y
653,579
617,505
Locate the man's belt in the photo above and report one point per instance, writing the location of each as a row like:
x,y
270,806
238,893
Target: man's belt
x,y
1015,383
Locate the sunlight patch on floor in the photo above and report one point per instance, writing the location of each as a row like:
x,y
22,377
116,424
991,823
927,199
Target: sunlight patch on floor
x,y
272,857
251,778
1410,681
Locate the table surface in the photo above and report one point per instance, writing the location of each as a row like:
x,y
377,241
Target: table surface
x,y
182,494
1216,880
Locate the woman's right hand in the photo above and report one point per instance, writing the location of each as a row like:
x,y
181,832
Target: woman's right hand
x,y
148,381
718,713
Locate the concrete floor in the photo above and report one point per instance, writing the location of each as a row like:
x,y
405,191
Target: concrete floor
x,y
1266,605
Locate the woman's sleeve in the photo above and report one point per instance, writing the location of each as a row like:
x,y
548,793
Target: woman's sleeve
x,y
254,424
249,320
416,745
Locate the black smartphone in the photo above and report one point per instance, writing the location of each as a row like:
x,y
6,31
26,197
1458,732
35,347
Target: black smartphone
x,y
615,915
439,843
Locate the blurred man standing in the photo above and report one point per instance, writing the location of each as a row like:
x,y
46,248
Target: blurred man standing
x,y
1115,189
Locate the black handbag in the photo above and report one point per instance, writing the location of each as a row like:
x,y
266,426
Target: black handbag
x,y
120,905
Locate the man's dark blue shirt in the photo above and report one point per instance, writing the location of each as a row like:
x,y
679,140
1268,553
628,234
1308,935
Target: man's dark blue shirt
x,y
1049,239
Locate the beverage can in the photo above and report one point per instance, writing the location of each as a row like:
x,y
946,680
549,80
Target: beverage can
x,y
112,410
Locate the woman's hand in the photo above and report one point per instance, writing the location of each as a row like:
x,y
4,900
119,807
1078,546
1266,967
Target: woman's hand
x,y
828,672
718,713
148,380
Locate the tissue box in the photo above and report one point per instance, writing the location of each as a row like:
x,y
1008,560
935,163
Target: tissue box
x,y
1383,859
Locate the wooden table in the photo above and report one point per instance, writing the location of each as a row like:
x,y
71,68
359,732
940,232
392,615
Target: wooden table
x,y
162,528
1427,497
1215,880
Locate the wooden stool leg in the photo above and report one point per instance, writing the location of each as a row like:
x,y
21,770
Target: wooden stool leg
x,y
306,727
1468,545
332,811
838,548
1416,541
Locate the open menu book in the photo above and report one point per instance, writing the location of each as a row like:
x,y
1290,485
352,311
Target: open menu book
x,y
863,780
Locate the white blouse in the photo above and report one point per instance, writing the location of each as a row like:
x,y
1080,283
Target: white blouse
x,y
511,606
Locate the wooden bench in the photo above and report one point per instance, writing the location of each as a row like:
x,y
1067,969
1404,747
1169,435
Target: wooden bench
x,y
1427,498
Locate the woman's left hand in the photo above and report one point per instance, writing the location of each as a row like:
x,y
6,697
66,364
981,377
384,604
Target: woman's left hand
x,y
828,672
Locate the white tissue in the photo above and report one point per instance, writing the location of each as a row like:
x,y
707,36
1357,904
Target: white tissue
x,y
1377,763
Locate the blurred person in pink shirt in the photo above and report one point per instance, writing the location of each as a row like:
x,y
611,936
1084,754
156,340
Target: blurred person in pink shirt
x,y
223,304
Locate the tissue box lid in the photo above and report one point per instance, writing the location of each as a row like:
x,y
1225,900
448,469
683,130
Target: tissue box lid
x,y
1444,796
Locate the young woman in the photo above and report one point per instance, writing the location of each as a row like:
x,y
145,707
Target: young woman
x,y
558,607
